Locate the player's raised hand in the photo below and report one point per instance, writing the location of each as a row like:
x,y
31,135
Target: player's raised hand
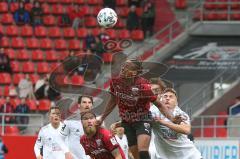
x,y
114,126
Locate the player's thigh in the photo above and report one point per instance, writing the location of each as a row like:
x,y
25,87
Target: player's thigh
x,y
134,151
143,131
130,132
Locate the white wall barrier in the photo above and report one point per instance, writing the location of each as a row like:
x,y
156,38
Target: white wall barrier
x,y
218,148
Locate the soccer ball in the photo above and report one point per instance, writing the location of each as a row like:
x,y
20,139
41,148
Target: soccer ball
x,y
107,17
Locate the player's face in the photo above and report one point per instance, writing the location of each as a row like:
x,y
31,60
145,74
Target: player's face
x,y
89,124
128,70
85,105
120,131
156,89
55,116
169,100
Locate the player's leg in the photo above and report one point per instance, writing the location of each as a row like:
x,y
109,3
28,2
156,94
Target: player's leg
x,y
132,139
143,132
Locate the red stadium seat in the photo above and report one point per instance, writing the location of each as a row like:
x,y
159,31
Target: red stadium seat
x,y
11,130
111,33
121,2
74,45
17,77
26,31
80,2
14,6
124,34
10,53
86,10
91,22
17,43
46,44
54,65
208,132
34,77
54,32
32,104
5,42
120,24
32,43
137,35
15,102
37,55
43,67
5,78
107,57
95,31
46,9
77,80
222,16
60,44
209,4
235,4
40,31
28,67
95,10
93,2
221,132
235,16
52,1
1,29
6,91
3,7
82,33
139,11
2,100
66,1
28,6
44,105
57,9
7,19
63,54
123,11
68,32
12,30
22,54
51,55
49,20
15,66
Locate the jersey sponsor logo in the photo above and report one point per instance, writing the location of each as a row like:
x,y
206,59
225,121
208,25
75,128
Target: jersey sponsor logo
x,y
99,142
113,141
146,125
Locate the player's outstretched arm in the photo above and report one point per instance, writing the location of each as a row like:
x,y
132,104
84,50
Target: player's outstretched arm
x,y
182,128
116,153
38,145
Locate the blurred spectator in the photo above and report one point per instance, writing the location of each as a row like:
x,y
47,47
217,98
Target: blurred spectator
x,y
22,108
7,108
104,37
132,19
3,149
97,48
4,62
21,16
36,14
64,19
109,4
76,16
25,88
148,19
45,91
89,39
12,91
134,3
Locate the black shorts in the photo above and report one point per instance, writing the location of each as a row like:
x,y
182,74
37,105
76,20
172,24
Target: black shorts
x,y
132,130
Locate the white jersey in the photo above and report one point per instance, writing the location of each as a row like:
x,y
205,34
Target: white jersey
x,y
170,144
48,138
123,142
71,132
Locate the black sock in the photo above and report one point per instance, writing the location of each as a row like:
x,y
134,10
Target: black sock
x,y
144,155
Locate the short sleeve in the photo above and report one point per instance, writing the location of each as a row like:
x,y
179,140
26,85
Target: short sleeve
x,y
65,130
109,141
39,143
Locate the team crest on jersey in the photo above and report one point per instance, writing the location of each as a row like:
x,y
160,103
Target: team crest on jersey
x,y
113,141
99,142
147,125
135,90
